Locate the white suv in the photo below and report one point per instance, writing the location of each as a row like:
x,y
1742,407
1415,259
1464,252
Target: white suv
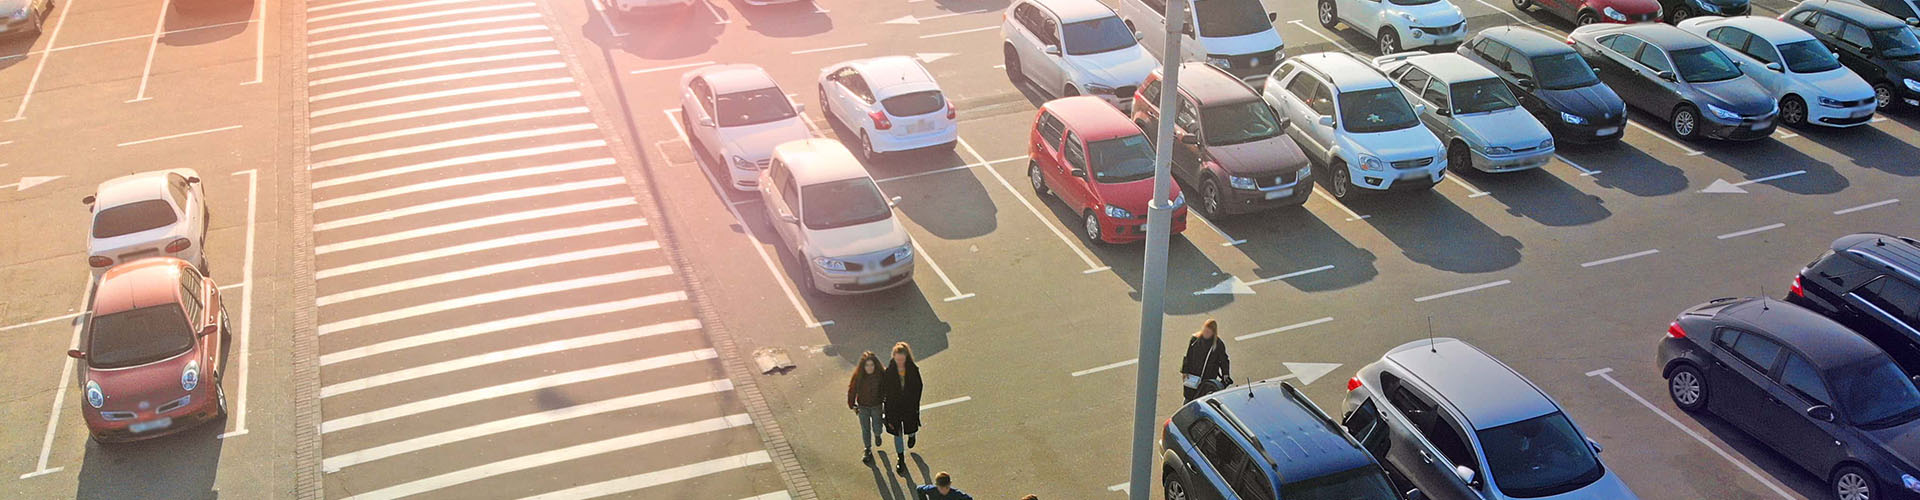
x,y
1235,35
1350,118
890,103
1075,47
1398,24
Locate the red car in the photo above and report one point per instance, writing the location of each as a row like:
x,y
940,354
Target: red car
x,y
1597,11
155,346
1090,156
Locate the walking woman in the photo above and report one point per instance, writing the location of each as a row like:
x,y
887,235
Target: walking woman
x,y
863,397
900,395
1205,367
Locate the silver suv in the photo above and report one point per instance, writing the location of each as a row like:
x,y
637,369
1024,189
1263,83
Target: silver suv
x,y
1349,117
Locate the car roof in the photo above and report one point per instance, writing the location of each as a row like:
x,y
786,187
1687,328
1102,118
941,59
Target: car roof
x,y
817,160
1344,71
1301,445
1826,343
135,187
1867,17
1899,251
1451,68
1527,41
730,78
1092,118
1071,11
1665,36
1480,388
146,282
1211,85
1774,30
892,71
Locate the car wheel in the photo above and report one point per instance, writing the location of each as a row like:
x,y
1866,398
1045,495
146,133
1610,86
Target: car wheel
x,y
1070,91
826,112
1679,13
1686,122
1093,227
1882,96
1587,18
202,266
866,148
1459,157
221,393
1853,483
1687,388
1210,199
1013,64
1039,180
1793,111
1327,15
1522,5
1389,41
1339,181
1176,490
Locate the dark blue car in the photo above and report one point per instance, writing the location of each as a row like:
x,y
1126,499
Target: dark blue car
x,y
1265,441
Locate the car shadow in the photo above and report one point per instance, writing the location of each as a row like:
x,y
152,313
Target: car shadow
x,y
1870,147
1034,95
1627,168
1433,231
874,321
179,466
1777,467
1292,240
1765,157
794,19
196,22
956,207
1188,269
1542,197
971,5
668,35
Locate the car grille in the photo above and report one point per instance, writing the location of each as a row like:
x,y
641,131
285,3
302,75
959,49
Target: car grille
x,y
1862,102
1276,180
116,416
762,164
1846,121
854,287
1412,164
1249,65
1443,30
1640,18
130,257
174,405
1525,149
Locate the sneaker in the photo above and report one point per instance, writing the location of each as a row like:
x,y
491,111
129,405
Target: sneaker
x,y
911,438
901,467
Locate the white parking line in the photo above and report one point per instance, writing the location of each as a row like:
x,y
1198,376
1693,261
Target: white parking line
x,y
462,181
937,272
778,495
1105,367
443,126
455,143
422,27
492,269
961,399
53,41
670,68
418,41
1475,288
446,109
420,406
1610,260
342,461
259,44
414,4
492,197
1294,326
660,477
1231,241
1473,192
60,395
453,365
336,5
153,44
496,243
948,169
1663,137
1737,234
1876,204
177,136
961,32
717,17
436,79
41,321
1351,216
492,297
1092,267
436,64
497,326
459,161
1323,36
414,17
1583,170
569,453
606,20
438,94
246,307
439,229
825,49
1290,275
1603,374
1497,8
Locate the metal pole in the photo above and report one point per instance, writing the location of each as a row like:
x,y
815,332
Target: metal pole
x,y
1154,280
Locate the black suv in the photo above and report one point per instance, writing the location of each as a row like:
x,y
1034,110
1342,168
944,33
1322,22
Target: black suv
x,y
1877,46
1265,441
1869,282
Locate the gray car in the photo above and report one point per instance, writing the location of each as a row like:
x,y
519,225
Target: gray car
x,y
1471,110
23,17
1444,417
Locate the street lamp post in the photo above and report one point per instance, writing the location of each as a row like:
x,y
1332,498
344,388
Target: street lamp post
x,y
1154,280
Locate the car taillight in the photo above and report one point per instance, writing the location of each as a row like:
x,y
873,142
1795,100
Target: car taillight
x,y
880,121
950,111
179,245
1353,383
1674,330
99,261
1796,290
1569,40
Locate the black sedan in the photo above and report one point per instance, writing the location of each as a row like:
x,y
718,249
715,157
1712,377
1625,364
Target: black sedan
x,y
1877,46
1678,76
1805,386
1553,83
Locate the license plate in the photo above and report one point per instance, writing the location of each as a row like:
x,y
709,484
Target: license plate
x,y
1607,131
1862,113
150,425
1762,125
918,127
868,280
1275,195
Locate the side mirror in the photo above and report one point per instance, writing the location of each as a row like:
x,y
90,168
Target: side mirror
x,y
1273,17
706,122
1186,138
76,354
1465,474
1526,83
1594,444
1416,494
1138,36
209,330
193,180
1186,29
1442,111
1776,67
799,107
1668,76
893,202
1822,413
1077,172
1596,69
1866,51
1913,21
1326,121
1419,108
1916,380
1052,50
88,200
789,218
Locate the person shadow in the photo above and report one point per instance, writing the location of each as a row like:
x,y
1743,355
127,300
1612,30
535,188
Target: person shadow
x,y
887,482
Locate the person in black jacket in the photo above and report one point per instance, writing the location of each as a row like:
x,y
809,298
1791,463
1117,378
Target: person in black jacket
x,y
864,398
1205,368
900,389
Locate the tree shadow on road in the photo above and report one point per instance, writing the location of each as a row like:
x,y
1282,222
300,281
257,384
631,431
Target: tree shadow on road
x,y
668,36
180,466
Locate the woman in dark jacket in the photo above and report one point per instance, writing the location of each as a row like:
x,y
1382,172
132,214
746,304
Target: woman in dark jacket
x,y
1206,362
864,397
900,392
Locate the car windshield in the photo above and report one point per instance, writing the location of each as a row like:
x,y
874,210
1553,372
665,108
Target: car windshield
x,y
1896,43
1563,71
752,107
1703,64
1096,36
1808,56
1225,18
1228,124
842,203
1366,482
133,218
1480,96
915,104
138,336
1125,159
1377,110
1411,2
1539,456
1875,393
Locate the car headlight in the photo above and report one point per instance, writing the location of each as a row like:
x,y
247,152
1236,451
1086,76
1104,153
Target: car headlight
x,y
1095,88
1499,150
903,253
19,15
1572,118
1220,61
1306,172
1547,144
1912,85
1279,53
1372,163
95,398
742,163
1239,182
830,264
1908,481
1616,15
1829,102
1179,200
1118,213
190,377
1709,7
1723,114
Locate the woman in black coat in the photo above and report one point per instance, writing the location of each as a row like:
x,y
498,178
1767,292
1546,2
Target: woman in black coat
x,y
900,386
1206,367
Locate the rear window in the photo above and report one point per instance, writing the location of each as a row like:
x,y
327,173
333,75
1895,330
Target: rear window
x,y
915,104
133,218
138,336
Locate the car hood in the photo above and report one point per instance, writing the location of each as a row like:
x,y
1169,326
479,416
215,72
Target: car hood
x,y
1271,155
1740,95
858,239
756,142
1905,69
1436,14
1132,196
1265,41
1901,441
1116,68
1394,145
1512,127
1608,487
153,384
1595,102
1839,83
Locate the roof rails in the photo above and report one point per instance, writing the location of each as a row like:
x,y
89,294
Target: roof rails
x,y
1244,432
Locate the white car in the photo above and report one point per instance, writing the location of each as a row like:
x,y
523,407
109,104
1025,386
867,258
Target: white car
x,y
1350,118
1398,24
1235,35
832,216
891,103
1805,77
738,114
630,7
1075,47
1471,110
159,213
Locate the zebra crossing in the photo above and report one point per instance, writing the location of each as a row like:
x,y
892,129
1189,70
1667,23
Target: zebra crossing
x,y
496,319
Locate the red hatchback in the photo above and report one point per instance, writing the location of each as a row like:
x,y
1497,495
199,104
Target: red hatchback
x,y
1090,156
155,346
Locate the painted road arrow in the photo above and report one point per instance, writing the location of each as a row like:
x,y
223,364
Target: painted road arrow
x,y
929,57
917,20
1234,286
27,182
1722,186
1306,373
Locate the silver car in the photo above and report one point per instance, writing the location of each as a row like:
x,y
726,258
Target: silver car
x,y
1443,416
737,114
1471,110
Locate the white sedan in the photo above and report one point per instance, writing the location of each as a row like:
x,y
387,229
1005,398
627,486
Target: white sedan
x,y
1805,77
737,114
147,214
890,103
1075,47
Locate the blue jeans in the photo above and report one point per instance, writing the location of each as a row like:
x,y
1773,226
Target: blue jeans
x,y
870,427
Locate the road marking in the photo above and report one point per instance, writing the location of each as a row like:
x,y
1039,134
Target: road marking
x,y
1473,192
413,17
53,40
459,161
1290,275
246,305
123,39
436,79
1231,241
1786,135
1876,204
375,10
1475,288
1323,36
717,18
1722,186
669,68
438,127
778,495
496,296
439,229
1122,487
60,392
660,477
825,49
336,5
1737,234
937,272
453,365
438,94
177,136
497,326
1351,216
1510,14
492,269
41,321
422,27
961,32
949,169
1877,119
521,239
569,453
544,382
606,20
422,40
462,181
1092,267
1583,170
1663,137
342,461
491,197
961,399
1294,326
455,143
259,45
1106,367
1610,260
918,20
159,25
447,109
1603,374
436,64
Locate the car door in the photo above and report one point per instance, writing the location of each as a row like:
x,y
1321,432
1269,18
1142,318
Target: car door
x,y
1186,157
1048,69
837,95
700,118
1891,310
1021,34
1803,439
1367,426
1364,15
1741,364
1074,187
1658,94
785,203
1829,30
1217,454
1744,43
859,101
1617,68
195,298
1147,17
1150,95
1429,445
1320,105
1046,153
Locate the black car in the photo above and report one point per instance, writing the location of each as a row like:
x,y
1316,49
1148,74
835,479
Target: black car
x,y
1903,9
1680,10
1265,440
1553,83
1879,47
1805,386
1871,283
1680,77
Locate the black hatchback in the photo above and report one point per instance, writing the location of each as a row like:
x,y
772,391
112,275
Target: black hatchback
x,y
1826,399
1265,440
1879,47
1552,81
1869,282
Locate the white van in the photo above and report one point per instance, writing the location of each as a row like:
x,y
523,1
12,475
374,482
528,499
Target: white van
x,y
1235,35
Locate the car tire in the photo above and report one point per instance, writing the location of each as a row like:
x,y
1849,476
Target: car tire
x,y
1459,157
1091,227
1175,490
1070,91
1852,483
1013,64
202,266
1328,15
1687,387
1685,122
1038,179
825,112
867,154
1522,5
1883,96
1679,13
1587,18
1210,199
220,392
1793,111
1389,41
1339,180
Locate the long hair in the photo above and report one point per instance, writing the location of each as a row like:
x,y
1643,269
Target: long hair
x,y
1210,324
859,369
903,348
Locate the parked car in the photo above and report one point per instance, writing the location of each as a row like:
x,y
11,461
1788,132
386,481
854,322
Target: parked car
x,y
23,18
147,214
1882,49
1229,143
1905,10
1681,10
1804,386
834,220
1587,12
1471,110
1397,24
1680,76
1552,82
1075,47
1264,440
1806,79
153,352
647,7
890,104
1352,120
1088,155
1869,282
1236,35
1446,417
737,114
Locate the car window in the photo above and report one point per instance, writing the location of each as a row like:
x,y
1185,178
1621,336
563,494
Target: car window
x,y
190,292
1703,64
1157,6
915,103
1151,92
1051,129
1874,393
1800,376
1763,50
1805,56
1363,482
1376,110
138,336
1899,8
1731,37
1540,456
1076,155
702,94
858,86
1365,426
1480,96
1302,88
752,107
1322,101
1495,53
789,192
1856,36
1230,18
1123,159
1830,25
842,203
1252,483
1219,450
1896,43
1412,77
1185,116
1805,17
1840,270
1894,296
1435,92
132,218
1097,36
1438,428
1238,123
1519,65
1563,71
1654,58
1758,352
1624,45
1049,31
1029,18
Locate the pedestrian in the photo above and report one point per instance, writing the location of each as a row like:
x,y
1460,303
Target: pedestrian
x,y
1205,368
863,397
1030,497
900,395
941,489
